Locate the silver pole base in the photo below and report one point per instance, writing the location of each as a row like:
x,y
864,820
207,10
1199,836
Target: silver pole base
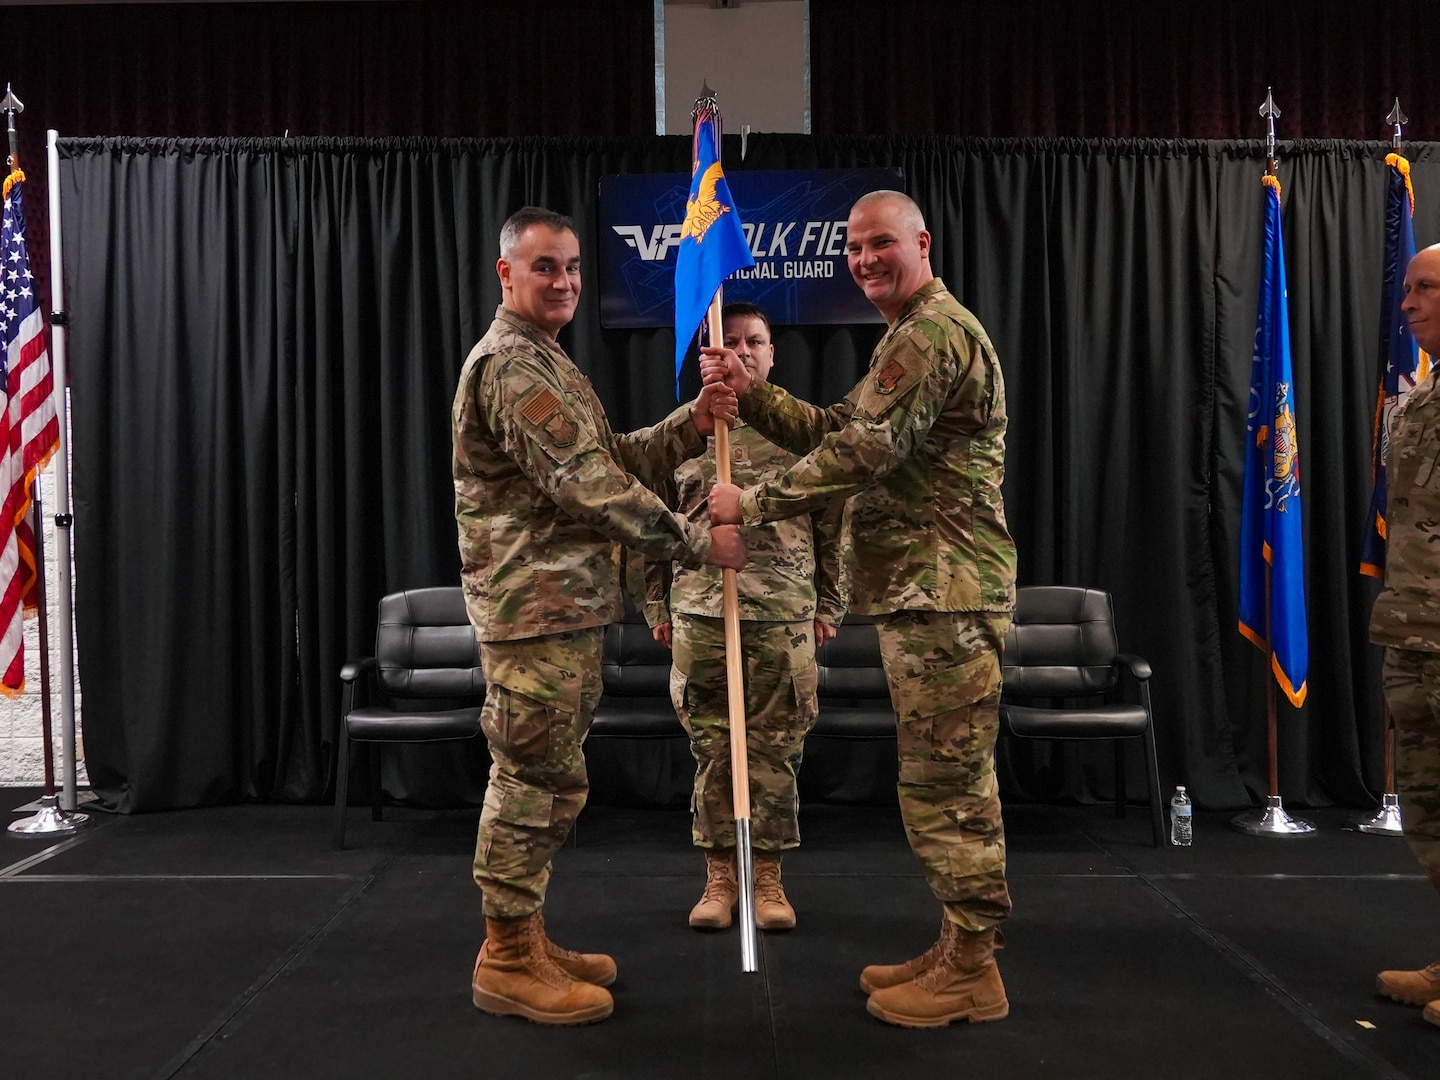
x,y
745,867
1271,821
50,821
1386,820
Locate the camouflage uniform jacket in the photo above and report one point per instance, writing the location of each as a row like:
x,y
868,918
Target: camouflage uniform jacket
x,y
793,567
545,491
920,444
1407,613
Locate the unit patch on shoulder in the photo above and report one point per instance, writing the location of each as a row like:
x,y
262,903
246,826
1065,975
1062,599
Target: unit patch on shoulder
x,y
545,412
889,377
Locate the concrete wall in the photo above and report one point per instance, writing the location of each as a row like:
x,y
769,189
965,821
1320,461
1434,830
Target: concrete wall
x,y
754,56
22,761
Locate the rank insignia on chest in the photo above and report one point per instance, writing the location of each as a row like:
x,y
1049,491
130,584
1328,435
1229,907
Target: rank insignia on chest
x,y
889,377
739,453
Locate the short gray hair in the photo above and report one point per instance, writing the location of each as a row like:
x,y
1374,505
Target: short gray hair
x,y
909,208
516,224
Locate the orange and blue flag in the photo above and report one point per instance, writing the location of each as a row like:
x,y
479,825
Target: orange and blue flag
x,y
712,242
1272,606
1403,364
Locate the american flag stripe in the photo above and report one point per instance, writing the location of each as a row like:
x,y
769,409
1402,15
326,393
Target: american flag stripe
x,y
29,430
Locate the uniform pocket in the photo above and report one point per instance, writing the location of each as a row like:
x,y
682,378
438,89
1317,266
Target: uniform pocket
x,y
933,692
529,702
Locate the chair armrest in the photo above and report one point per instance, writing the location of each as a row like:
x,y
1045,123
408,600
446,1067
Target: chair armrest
x,y
353,669
1137,666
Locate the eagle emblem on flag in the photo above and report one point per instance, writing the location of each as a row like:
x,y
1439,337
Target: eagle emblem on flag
x,y
705,209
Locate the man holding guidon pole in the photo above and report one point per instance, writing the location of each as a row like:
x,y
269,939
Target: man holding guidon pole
x,y
919,444
544,493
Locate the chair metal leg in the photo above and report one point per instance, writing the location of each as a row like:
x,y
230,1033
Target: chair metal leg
x,y
342,783
1120,787
374,750
1152,779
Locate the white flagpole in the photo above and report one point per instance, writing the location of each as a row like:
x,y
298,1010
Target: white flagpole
x,y
65,632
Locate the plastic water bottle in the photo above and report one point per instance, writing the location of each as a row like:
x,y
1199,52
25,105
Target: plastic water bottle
x,y
1180,822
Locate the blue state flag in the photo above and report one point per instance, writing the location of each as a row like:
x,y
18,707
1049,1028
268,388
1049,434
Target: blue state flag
x,y
1403,363
712,243
1270,525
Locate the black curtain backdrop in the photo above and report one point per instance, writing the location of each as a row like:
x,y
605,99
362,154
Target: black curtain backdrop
x,y
266,335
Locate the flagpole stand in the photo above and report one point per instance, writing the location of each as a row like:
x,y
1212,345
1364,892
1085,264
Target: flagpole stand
x,y
1386,821
1271,821
50,821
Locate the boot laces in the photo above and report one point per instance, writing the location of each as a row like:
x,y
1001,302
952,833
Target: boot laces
x,y
719,881
950,959
550,946
767,883
542,966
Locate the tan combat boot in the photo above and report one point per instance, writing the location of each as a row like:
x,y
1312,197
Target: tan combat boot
x,y
962,984
515,976
595,968
722,895
1432,1013
880,976
772,909
1411,987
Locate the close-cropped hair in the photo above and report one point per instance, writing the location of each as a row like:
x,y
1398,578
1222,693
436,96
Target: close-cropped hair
x,y
909,208
742,310
516,224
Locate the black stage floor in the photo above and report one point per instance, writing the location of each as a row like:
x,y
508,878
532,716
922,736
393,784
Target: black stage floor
x,y
235,943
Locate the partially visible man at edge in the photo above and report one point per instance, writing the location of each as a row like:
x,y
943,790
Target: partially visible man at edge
x,y
1406,616
544,493
919,443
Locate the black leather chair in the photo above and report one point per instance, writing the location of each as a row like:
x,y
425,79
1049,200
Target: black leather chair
x,y
423,685
1065,678
637,752
850,753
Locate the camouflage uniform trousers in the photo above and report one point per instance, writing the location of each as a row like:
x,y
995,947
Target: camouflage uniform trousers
x,y
1412,690
943,669
539,703
780,710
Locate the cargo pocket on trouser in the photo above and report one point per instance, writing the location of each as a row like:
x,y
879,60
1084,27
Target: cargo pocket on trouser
x,y
537,781
949,798
699,691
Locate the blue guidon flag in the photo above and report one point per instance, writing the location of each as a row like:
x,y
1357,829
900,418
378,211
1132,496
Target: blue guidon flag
x,y
1270,523
712,243
1403,365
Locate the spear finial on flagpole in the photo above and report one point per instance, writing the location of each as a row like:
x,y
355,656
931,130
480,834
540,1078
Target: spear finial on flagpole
x,y
1395,119
10,106
1270,111
706,100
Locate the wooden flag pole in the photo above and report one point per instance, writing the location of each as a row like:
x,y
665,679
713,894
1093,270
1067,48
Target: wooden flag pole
x,y
735,678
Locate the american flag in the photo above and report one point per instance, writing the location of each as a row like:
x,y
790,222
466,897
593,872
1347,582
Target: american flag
x,y
29,430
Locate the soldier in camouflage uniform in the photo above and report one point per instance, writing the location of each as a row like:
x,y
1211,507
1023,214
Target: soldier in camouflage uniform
x,y
919,444
544,493
791,599
1406,618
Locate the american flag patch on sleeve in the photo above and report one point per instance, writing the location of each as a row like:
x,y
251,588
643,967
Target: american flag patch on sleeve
x,y
540,407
